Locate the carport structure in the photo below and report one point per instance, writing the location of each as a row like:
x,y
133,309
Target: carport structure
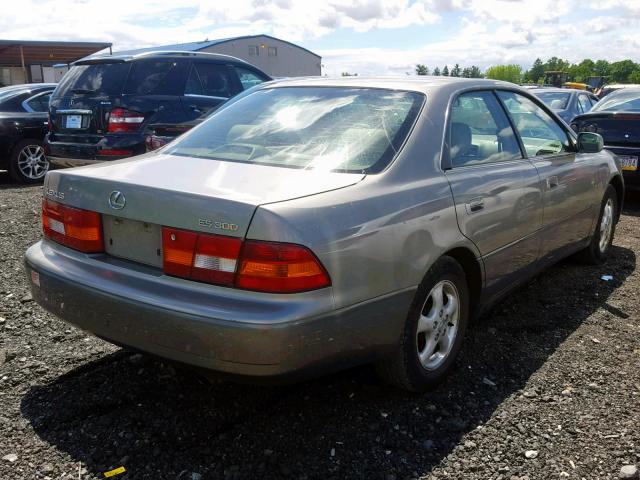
x,y
25,61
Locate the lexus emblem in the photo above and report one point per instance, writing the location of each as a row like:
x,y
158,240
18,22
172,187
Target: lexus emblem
x,y
117,200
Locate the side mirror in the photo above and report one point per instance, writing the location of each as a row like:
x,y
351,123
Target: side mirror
x,y
589,142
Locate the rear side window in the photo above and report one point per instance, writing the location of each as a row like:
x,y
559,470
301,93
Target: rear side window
x,y
479,131
156,77
584,103
98,79
541,134
248,78
39,103
210,79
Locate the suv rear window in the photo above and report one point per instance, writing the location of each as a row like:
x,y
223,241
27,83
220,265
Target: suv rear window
x,y
156,77
97,79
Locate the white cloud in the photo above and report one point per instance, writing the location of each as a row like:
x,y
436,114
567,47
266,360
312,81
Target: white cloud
x,y
480,32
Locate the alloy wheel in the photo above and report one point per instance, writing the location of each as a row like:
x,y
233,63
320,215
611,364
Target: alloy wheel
x,y
606,226
32,162
438,325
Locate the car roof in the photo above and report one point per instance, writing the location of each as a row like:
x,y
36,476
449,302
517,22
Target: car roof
x,y
559,90
416,83
28,86
118,58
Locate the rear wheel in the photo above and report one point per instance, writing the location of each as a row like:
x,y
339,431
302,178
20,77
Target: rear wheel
x,y
600,245
28,163
433,332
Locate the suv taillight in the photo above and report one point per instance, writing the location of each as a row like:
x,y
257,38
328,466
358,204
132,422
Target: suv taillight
x,y
72,227
123,120
252,265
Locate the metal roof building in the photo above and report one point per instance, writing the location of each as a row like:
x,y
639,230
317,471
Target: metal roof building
x,y
274,56
26,61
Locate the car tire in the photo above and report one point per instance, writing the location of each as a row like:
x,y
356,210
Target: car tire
x,y
412,367
27,163
600,245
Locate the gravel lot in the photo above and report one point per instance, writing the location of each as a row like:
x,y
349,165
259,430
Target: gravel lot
x,y
553,372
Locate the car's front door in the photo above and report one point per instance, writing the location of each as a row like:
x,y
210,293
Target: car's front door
x,y
496,190
567,178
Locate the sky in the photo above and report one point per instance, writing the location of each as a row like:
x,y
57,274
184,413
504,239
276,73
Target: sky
x,y
367,37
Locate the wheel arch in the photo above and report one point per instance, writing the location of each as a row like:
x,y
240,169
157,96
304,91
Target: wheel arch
x,y
617,183
473,273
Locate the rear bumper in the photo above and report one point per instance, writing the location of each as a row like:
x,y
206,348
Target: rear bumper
x,y
218,328
78,150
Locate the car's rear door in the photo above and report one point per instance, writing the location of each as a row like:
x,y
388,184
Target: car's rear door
x,y
208,85
496,190
567,177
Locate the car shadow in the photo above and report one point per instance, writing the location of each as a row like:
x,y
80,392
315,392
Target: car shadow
x,y
160,421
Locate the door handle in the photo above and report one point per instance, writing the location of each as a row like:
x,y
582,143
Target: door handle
x,y
552,182
475,205
195,108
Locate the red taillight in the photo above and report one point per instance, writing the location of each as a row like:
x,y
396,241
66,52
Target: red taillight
x,y
200,256
75,228
261,266
123,120
279,268
153,142
106,152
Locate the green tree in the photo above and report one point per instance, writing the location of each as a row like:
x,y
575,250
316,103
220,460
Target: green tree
x,y
445,71
475,72
583,70
422,69
620,71
635,76
508,73
602,67
555,64
536,72
455,71
436,72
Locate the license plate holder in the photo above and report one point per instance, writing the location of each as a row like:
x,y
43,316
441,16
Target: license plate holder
x,y
133,240
73,121
629,162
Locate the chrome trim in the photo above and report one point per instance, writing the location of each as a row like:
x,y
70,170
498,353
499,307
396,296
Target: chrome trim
x,y
195,95
75,111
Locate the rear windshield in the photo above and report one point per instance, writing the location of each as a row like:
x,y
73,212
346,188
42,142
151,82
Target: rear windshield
x,y
328,128
620,100
156,77
554,100
99,79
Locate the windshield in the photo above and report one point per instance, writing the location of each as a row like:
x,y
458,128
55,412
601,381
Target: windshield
x,y
97,79
621,100
554,100
329,128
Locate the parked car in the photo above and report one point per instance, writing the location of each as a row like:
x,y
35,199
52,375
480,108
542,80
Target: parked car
x,y
617,118
23,125
104,106
566,102
613,87
318,223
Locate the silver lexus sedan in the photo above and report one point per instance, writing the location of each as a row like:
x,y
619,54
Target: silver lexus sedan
x,y
312,224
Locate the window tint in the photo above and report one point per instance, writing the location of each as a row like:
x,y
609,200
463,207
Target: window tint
x,y
323,128
479,131
39,103
210,79
620,100
248,78
98,79
155,77
541,134
584,104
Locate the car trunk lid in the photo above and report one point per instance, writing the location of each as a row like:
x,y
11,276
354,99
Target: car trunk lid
x,y
616,128
196,194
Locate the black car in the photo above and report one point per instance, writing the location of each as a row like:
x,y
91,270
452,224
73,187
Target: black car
x,y
617,118
23,125
104,107
566,102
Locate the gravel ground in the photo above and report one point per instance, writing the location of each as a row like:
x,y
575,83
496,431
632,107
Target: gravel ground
x,y
548,387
